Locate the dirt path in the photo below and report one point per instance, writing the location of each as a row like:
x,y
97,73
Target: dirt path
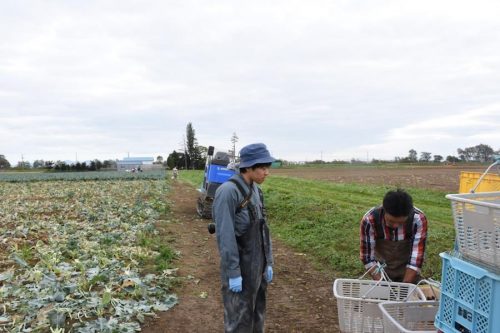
x,y
300,297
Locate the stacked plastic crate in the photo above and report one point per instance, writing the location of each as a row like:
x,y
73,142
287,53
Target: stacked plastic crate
x,y
470,285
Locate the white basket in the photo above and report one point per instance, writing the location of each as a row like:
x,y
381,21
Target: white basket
x,y
409,317
477,225
357,302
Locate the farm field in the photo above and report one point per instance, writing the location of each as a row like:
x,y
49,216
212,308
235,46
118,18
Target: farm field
x,y
78,176
114,252
438,178
85,254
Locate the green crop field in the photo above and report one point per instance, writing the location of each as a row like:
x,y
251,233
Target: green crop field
x,y
85,252
322,219
78,176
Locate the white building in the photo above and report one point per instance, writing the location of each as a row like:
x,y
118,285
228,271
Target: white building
x,y
130,163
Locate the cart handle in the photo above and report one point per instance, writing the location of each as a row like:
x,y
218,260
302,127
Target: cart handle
x,y
473,190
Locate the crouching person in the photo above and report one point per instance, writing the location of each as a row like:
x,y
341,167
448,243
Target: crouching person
x,y
394,233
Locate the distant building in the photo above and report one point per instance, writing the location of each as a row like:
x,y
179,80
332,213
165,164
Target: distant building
x,y
133,163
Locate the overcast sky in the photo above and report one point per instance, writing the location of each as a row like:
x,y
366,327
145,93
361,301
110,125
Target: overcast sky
x,y
311,79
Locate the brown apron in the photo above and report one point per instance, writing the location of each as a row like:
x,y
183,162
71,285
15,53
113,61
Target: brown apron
x,y
395,255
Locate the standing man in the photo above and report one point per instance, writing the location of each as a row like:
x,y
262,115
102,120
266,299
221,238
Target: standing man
x,y
244,242
395,234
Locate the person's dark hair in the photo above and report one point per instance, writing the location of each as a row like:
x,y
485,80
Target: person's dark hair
x,y
256,166
398,203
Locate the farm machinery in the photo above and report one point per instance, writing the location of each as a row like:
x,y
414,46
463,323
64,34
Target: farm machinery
x,y
216,173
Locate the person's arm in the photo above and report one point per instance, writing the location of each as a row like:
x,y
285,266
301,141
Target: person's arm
x,y
418,248
367,245
410,275
224,208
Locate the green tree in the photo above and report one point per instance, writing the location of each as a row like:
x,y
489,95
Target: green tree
x,y
109,164
38,164
201,156
438,158
175,159
98,164
466,154
480,153
4,164
425,157
191,144
412,155
484,153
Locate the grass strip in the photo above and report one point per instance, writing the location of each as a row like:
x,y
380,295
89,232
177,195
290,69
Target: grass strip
x,y
321,219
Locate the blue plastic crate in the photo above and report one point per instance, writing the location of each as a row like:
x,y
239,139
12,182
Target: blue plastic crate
x,y
470,298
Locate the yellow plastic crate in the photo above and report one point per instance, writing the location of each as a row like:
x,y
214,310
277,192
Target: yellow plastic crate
x,y
490,182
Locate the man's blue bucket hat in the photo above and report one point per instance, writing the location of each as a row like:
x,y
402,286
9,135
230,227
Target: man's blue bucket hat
x,y
255,153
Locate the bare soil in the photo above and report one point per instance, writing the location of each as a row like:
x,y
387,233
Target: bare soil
x,y
300,298
443,178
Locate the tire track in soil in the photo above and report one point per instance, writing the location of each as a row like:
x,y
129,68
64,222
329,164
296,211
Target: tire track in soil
x,y
299,299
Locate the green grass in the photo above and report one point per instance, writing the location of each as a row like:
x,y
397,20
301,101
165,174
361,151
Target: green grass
x,y
193,177
322,219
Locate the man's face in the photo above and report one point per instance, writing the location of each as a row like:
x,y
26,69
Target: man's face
x,y
258,175
394,221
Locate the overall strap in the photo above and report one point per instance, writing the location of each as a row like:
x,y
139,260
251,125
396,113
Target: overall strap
x,y
379,230
261,196
409,224
247,197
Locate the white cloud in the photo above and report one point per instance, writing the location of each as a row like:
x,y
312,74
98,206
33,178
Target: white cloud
x,y
445,134
340,79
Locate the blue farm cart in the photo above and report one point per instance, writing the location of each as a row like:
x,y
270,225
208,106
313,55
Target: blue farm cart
x,y
216,173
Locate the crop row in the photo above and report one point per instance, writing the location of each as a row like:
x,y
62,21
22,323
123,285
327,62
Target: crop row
x,y
85,256
77,176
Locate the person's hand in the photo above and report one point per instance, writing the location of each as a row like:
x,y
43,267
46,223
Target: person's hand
x,y
268,274
236,284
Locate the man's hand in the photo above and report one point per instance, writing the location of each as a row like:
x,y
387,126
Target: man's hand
x,y
236,284
374,273
410,276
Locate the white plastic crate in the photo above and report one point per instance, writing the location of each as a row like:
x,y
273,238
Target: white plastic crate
x,y
357,302
477,225
409,317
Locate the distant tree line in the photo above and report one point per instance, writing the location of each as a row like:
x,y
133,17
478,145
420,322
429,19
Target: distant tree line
x,y
193,156
94,165
4,164
481,153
